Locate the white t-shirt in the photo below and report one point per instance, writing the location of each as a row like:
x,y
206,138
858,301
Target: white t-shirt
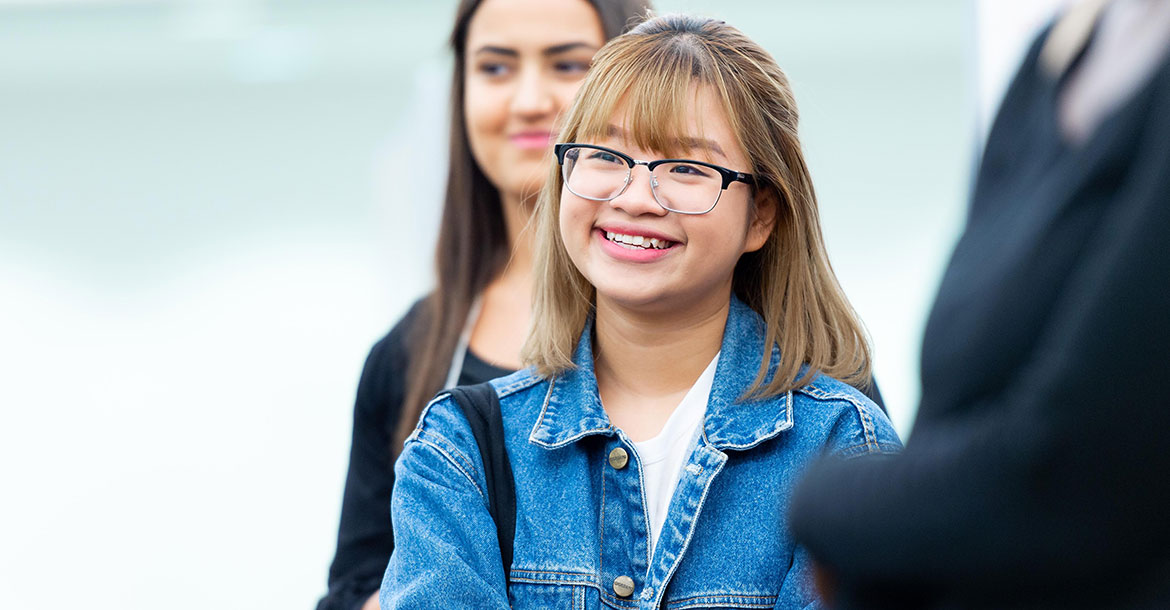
x,y
663,456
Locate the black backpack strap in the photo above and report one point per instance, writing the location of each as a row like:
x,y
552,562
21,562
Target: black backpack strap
x,y
481,407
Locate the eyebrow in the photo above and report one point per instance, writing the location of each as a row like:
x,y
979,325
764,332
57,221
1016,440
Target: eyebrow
x,y
614,131
547,51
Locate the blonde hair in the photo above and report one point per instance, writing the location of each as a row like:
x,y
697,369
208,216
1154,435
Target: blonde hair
x,y
651,72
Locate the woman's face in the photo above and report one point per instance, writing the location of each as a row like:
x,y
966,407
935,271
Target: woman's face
x,y
692,261
524,61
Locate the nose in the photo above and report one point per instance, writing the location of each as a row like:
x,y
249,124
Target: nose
x,y
638,198
533,98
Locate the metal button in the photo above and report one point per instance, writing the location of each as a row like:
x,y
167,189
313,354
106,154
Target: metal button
x,y
618,458
623,586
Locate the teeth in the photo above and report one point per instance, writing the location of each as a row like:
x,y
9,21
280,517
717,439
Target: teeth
x,y
639,241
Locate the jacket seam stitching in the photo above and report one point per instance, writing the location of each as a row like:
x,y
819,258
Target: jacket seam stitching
x,y
543,409
723,596
867,427
553,572
517,385
455,461
601,532
745,604
422,417
787,424
617,601
584,580
690,531
879,447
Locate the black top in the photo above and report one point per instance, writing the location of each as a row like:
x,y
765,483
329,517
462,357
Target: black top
x,y
1037,471
365,538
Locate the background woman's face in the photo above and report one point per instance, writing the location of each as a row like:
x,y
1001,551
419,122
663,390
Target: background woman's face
x,y
524,61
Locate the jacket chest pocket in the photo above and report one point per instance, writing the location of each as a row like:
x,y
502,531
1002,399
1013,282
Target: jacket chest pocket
x,y
532,596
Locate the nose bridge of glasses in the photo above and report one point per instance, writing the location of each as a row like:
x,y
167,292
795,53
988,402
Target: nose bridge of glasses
x,y
654,190
646,164
649,170
630,179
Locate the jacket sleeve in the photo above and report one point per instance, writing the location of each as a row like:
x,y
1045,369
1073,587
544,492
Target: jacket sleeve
x,y
446,553
799,590
1059,476
860,431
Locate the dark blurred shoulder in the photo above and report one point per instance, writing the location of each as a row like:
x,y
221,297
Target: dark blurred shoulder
x,y
383,382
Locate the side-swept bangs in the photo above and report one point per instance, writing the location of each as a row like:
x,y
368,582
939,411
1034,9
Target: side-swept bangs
x,y
652,81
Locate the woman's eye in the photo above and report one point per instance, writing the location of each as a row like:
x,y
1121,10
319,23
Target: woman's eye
x,y
601,155
492,69
571,67
690,170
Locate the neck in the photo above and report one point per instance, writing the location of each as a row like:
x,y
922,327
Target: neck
x,y
655,355
502,324
517,211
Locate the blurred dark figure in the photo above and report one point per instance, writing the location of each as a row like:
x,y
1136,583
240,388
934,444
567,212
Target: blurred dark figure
x,y
1038,470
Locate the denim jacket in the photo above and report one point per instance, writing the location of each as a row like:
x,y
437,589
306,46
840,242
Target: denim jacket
x,y
581,524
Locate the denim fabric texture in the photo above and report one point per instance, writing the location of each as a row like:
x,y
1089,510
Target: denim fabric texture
x,y
581,523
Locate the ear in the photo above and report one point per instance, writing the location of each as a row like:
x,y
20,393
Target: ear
x,y
763,220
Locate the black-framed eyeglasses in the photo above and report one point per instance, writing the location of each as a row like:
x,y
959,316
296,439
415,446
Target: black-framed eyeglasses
x,y
683,186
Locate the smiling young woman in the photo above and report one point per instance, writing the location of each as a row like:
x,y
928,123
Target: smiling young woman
x,y
518,64
691,351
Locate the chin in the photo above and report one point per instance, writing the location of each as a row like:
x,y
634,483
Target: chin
x,y
525,188
631,297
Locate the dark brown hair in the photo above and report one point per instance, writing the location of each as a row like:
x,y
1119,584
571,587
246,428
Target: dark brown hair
x,y
473,240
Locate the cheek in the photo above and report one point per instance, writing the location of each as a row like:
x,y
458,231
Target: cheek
x,y
576,221
565,217
726,235
563,95
485,109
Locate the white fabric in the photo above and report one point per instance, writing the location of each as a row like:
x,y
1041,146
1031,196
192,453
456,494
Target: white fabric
x,y
456,368
1132,39
662,457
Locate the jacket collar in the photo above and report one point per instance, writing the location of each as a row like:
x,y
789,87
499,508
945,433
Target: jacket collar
x,y
572,407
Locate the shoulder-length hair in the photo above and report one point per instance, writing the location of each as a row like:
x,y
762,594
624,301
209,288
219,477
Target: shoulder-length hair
x,y
473,244
651,73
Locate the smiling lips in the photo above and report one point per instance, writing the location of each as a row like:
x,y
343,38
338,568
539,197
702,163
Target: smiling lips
x,y
638,241
529,140
633,248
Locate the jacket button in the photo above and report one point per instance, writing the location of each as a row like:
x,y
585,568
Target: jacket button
x,y
618,458
623,586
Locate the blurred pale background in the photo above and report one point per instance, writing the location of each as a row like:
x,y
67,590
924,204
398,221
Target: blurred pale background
x,y
209,210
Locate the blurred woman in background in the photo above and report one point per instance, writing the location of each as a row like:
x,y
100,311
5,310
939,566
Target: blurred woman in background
x,y
518,63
